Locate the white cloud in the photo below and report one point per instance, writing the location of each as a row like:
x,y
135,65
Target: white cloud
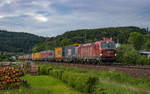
x,y
41,18
4,2
1,17
36,16
8,1
41,3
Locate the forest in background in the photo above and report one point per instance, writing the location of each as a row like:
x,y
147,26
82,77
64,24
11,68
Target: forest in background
x,y
18,42
118,34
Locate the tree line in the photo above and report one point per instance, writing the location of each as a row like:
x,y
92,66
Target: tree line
x,y
17,41
120,34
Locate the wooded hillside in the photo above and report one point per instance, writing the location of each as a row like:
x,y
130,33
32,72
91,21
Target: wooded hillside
x,y
18,42
120,34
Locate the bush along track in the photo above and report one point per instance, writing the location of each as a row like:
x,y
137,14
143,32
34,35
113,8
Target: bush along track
x,y
108,82
83,82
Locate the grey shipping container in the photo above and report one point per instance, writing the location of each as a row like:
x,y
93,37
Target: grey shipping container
x,y
30,56
70,53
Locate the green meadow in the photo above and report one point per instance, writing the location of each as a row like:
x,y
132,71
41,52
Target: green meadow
x,y
42,84
53,79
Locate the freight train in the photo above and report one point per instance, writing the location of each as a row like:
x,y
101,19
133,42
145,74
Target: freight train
x,y
96,52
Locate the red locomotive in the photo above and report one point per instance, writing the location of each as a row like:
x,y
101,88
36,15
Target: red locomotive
x,y
104,50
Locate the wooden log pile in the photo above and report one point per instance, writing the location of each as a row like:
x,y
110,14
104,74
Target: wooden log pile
x,y
9,77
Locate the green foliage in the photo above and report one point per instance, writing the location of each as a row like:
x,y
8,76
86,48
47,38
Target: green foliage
x,y
142,60
44,69
82,82
18,42
66,42
42,84
112,88
4,56
127,54
146,45
89,35
110,82
136,39
56,73
76,80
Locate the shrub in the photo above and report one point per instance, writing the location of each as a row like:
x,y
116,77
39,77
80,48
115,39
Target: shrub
x,y
82,82
56,73
148,61
127,54
44,69
142,60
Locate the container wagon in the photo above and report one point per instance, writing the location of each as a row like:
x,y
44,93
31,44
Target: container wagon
x,y
59,54
70,53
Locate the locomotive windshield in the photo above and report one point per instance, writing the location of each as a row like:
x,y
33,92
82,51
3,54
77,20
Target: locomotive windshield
x,y
108,46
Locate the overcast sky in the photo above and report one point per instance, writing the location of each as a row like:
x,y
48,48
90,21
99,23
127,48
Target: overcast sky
x,y
53,17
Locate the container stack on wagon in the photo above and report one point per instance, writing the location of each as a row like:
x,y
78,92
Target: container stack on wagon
x,y
51,55
70,53
59,54
103,50
47,55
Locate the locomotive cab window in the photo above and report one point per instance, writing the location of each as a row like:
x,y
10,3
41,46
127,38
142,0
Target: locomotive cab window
x,y
108,45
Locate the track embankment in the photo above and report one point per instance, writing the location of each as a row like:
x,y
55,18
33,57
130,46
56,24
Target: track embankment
x,y
135,71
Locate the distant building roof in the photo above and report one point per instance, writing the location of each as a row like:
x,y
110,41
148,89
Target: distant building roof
x,y
117,45
144,52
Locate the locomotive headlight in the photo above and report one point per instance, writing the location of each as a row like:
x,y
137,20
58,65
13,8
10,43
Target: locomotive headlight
x,y
100,54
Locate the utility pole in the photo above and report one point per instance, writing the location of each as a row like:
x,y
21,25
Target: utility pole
x,y
85,37
147,29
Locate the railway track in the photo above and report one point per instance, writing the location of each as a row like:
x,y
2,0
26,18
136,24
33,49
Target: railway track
x,y
135,71
145,67
132,70
131,66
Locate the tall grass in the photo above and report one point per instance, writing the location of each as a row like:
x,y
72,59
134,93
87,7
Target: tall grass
x,y
42,85
110,75
133,85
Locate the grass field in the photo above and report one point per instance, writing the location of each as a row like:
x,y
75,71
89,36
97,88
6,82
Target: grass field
x,y
42,85
110,76
114,82
109,83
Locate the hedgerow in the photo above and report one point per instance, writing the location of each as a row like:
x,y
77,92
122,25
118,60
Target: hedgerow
x,y
44,69
56,73
82,82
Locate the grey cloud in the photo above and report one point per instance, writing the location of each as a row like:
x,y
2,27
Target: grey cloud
x,y
27,15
